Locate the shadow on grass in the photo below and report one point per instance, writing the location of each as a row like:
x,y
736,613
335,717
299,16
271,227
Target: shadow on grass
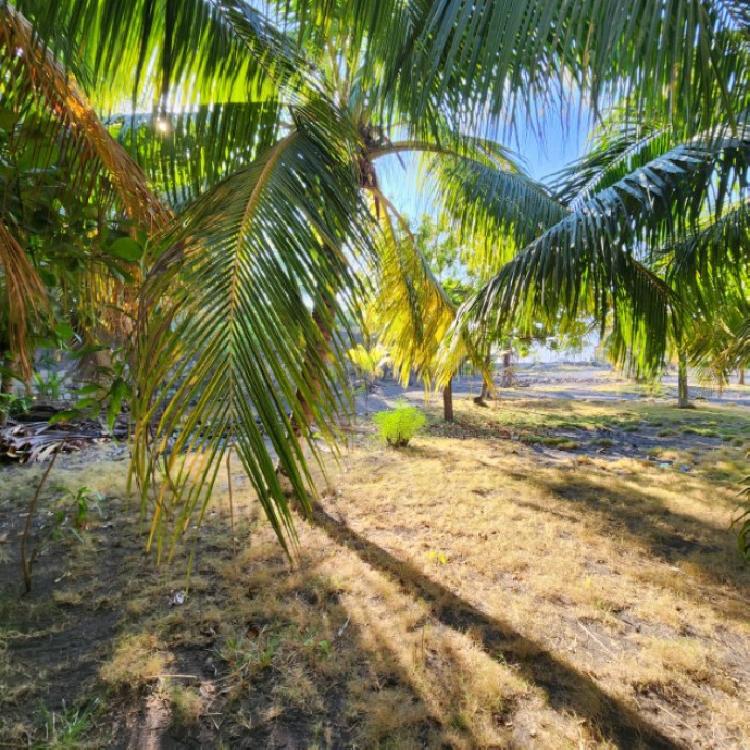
x,y
298,653
566,688
667,535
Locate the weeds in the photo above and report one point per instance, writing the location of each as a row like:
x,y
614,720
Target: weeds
x,y
67,728
247,656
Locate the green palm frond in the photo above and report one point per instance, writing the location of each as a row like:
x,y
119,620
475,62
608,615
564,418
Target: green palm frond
x,y
488,204
737,12
593,249
705,235
507,56
718,245
185,153
596,245
230,350
175,52
717,344
621,144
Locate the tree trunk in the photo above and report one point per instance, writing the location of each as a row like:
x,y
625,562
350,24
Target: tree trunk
x,y
507,381
682,381
448,401
741,376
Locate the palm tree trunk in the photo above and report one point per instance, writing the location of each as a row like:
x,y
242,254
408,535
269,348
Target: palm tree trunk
x,y
741,376
481,399
682,381
448,401
507,374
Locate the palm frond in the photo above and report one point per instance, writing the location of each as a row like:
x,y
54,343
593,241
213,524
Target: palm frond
x,y
175,53
32,77
717,342
185,153
25,295
505,59
718,245
622,143
489,204
413,310
737,13
227,324
505,56
594,250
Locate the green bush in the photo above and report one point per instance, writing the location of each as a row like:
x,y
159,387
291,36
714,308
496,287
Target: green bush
x,y
398,426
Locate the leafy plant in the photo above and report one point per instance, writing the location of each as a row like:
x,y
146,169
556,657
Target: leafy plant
x,y
72,514
398,426
10,403
108,395
49,387
80,505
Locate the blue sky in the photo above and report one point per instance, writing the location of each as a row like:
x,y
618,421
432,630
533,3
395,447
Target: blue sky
x,y
543,152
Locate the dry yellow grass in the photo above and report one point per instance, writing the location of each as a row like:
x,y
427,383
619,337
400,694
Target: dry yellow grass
x,y
625,571
470,591
137,661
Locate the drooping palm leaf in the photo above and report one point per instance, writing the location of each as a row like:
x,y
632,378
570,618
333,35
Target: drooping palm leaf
x,y
25,295
229,348
413,310
33,77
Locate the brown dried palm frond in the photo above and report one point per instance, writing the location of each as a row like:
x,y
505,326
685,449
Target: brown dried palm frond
x,y
25,292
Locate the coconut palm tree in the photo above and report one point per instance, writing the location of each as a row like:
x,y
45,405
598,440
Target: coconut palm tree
x,y
644,210
268,126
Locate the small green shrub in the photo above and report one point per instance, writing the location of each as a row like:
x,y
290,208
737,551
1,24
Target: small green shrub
x,y
398,426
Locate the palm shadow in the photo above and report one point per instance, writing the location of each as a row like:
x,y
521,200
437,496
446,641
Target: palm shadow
x,y
665,534
566,688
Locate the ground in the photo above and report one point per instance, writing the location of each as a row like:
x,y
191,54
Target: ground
x,y
547,572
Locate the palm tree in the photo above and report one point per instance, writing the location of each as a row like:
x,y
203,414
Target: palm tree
x,y
699,244
646,211
269,128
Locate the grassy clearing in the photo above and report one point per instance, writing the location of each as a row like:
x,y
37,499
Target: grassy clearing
x,y
477,589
